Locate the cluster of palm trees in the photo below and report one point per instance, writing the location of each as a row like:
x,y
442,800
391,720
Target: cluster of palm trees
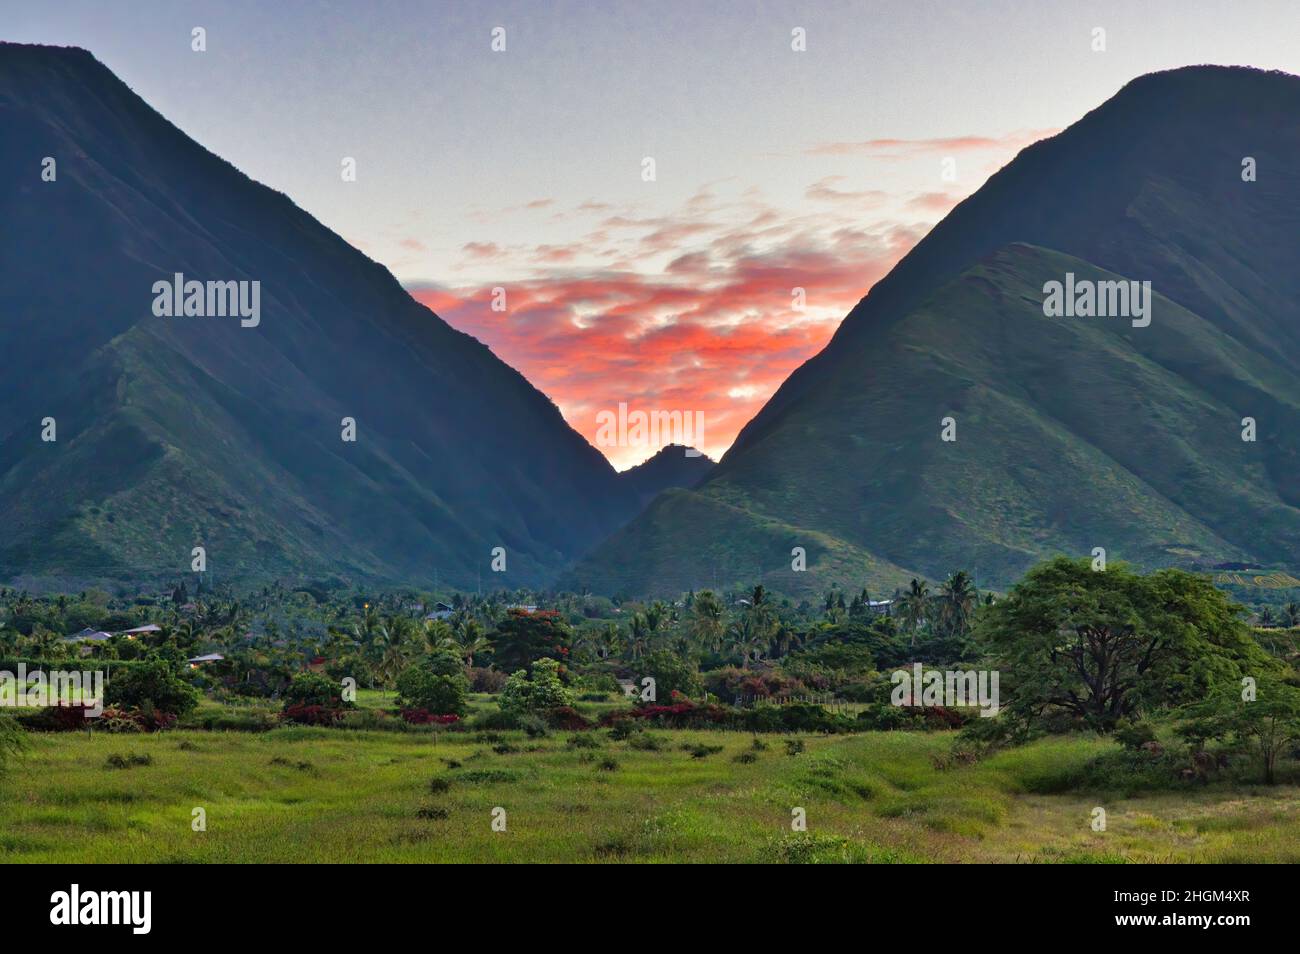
x,y
753,631
392,641
949,612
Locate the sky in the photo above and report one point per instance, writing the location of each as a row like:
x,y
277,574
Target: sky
x,y
524,169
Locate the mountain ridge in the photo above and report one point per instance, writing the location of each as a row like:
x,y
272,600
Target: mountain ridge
x,y
1146,186
236,431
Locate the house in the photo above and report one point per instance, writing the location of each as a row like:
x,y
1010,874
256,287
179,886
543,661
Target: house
x,y
198,661
316,664
884,607
140,630
441,611
88,635
529,609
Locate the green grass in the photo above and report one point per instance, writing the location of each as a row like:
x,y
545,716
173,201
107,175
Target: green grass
x,y
298,794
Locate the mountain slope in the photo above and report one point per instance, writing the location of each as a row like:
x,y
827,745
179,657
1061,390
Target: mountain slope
x,y
670,467
175,432
1072,433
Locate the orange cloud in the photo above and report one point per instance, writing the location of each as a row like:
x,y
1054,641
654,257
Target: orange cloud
x,y
717,331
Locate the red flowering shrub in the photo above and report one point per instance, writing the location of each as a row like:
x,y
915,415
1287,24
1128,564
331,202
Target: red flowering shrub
x,y
112,719
682,714
567,719
304,714
731,684
58,719
425,717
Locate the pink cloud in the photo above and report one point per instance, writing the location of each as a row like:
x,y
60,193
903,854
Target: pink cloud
x,y
716,332
905,148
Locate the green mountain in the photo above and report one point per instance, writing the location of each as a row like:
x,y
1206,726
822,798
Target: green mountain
x,y
175,432
1071,432
669,467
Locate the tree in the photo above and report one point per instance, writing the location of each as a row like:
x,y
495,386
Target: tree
x,y
151,684
957,600
313,689
1266,724
638,635
469,639
609,642
913,607
522,638
671,673
1291,613
536,692
1101,644
437,684
439,635
708,621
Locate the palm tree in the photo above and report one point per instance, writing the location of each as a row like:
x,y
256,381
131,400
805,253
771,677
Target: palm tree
x,y
708,620
470,639
608,641
957,600
439,636
392,640
639,637
912,606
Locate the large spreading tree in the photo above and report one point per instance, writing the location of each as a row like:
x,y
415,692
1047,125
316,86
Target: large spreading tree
x,y
1104,645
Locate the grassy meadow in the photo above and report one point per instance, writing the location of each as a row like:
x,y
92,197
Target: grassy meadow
x,y
329,795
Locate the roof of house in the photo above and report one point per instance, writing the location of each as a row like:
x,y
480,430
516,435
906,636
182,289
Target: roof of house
x,y
210,657
89,634
150,628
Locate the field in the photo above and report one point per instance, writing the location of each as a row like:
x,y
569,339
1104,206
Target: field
x,y
328,795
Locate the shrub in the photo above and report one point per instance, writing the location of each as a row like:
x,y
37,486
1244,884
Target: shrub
x,y
671,674
130,760
567,719
57,719
311,715
438,685
535,725
495,720
1133,734
486,680
731,684
646,742
682,713
425,717
701,751
538,692
152,685
313,689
